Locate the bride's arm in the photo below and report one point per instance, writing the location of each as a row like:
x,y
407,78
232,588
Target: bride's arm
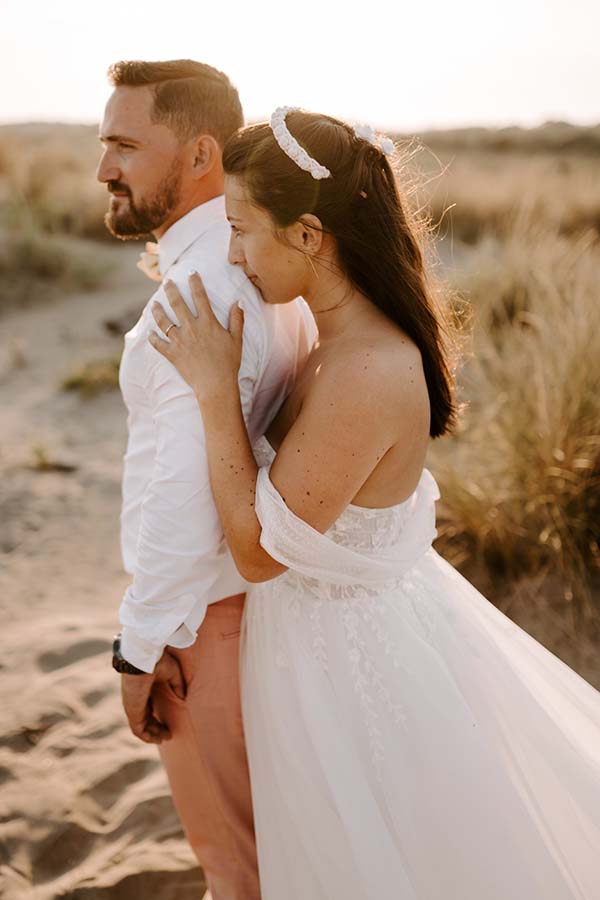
x,y
352,416
208,357
233,473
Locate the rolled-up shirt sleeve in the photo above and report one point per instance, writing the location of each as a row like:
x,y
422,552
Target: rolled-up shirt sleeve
x,y
180,533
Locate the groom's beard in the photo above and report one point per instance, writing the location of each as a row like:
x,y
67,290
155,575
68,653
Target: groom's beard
x,y
128,220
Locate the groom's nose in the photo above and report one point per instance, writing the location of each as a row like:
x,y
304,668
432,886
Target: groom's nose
x,y
107,170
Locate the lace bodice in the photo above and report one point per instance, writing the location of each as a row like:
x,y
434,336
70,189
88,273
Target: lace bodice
x,y
369,546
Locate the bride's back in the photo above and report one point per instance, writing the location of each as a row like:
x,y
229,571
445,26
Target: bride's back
x,y
375,364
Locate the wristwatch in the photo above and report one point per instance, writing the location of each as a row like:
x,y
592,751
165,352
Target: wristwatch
x,y
120,663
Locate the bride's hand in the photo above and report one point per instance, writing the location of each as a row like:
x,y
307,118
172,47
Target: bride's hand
x,y
204,353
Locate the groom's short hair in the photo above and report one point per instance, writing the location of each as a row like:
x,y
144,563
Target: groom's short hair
x,y
190,97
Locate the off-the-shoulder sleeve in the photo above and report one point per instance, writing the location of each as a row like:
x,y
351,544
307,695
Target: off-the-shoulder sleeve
x,y
296,544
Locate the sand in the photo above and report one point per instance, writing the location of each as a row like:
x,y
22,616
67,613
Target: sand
x,y
85,810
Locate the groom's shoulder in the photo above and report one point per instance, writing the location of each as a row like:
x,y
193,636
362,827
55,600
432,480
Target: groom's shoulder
x,y
227,284
224,282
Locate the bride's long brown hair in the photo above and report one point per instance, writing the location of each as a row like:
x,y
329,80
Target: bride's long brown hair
x,y
360,206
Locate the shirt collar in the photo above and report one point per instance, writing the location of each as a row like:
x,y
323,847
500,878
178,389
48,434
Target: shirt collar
x,y
186,230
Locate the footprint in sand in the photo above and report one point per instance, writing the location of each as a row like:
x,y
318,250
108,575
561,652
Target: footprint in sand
x,y
6,775
58,659
106,791
97,734
92,698
154,818
188,884
29,735
68,846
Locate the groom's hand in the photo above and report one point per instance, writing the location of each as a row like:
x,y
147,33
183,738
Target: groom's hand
x,y
137,703
169,669
136,692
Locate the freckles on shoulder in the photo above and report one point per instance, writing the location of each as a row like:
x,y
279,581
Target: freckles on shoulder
x,y
384,367
391,382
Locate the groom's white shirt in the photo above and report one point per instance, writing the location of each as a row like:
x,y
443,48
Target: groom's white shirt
x,y
171,537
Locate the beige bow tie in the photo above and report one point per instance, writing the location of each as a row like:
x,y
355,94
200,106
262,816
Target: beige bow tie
x,y
148,262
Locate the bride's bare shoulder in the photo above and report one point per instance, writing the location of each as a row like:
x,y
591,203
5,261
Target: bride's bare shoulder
x,y
389,359
381,373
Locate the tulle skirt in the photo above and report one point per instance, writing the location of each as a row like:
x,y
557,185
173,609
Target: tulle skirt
x,y
415,744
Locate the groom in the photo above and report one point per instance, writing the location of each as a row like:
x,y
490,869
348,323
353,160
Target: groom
x,y
163,131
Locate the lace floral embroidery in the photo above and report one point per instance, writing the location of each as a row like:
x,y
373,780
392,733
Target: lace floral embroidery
x,y
355,607
368,680
356,612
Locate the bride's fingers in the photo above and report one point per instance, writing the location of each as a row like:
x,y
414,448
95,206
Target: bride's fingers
x,y
164,347
178,304
161,318
200,297
236,322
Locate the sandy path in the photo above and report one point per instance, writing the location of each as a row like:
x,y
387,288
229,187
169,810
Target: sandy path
x,y
84,807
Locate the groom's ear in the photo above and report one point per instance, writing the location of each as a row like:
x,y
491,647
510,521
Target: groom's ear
x,y
205,155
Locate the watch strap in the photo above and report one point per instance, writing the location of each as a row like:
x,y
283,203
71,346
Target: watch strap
x,y
120,664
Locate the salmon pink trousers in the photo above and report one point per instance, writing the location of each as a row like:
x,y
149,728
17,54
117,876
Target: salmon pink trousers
x,y
206,759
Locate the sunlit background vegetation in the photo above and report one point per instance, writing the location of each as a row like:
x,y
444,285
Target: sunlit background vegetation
x,y
516,221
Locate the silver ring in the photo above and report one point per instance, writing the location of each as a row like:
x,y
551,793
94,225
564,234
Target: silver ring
x,y
172,325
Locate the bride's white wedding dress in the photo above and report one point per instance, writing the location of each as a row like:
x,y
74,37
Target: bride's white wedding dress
x,y
406,740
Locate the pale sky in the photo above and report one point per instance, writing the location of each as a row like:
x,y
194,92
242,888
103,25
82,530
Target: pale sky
x,y
410,66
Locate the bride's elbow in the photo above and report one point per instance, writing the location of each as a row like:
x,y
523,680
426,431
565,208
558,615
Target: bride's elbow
x,y
254,576
256,572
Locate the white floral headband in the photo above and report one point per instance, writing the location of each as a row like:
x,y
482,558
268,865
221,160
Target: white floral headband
x,y
291,147
298,154
385,144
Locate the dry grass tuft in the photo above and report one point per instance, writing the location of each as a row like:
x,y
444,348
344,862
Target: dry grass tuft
x,y
43,462
34,266
94,377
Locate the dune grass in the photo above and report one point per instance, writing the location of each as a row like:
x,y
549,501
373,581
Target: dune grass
x,y
50,208
475,178
47,180
520,479
477,193
36,267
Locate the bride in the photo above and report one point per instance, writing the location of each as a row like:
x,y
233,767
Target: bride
x,y
406,740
